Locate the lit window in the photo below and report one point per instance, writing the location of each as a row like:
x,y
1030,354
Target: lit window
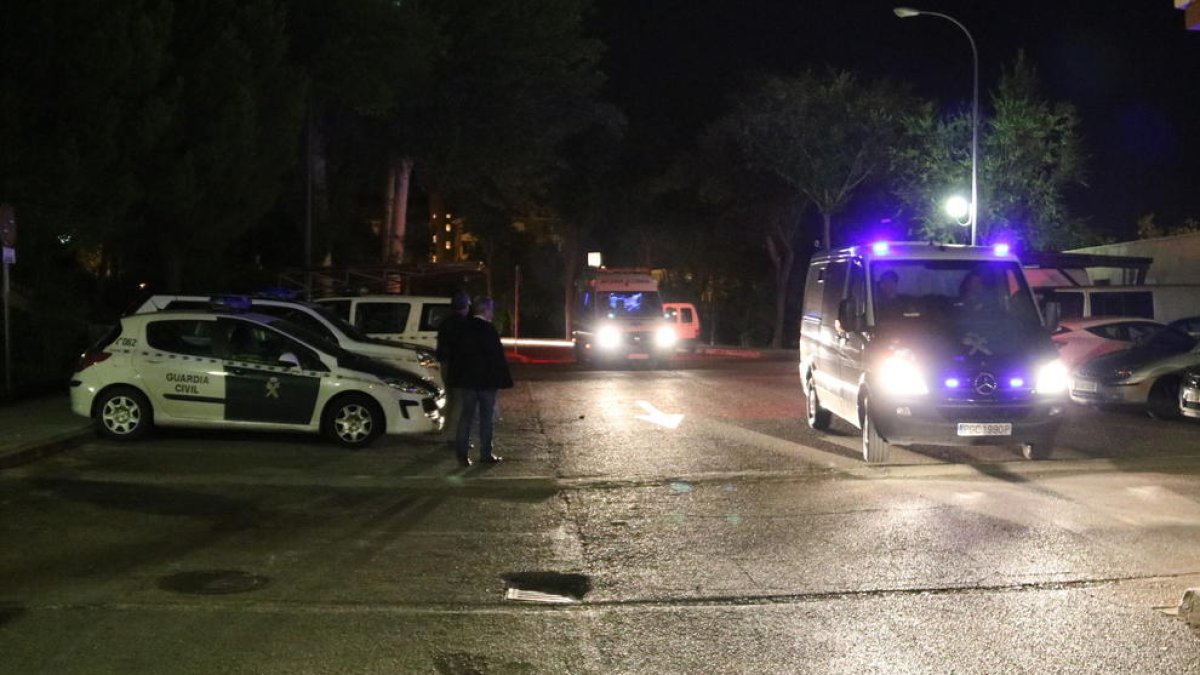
x,y
447,227
447,246
435,238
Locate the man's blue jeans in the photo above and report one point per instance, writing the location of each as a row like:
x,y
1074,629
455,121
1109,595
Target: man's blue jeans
x,y
482,401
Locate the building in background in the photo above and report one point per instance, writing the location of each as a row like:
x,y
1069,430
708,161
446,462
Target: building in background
x,y
1176,258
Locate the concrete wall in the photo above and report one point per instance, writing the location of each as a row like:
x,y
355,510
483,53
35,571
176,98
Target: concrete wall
x,y
1176,259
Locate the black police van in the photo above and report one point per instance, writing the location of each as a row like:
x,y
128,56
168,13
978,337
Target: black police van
x,y
936,344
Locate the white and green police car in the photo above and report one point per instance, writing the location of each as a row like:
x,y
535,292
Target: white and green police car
x,y
232,370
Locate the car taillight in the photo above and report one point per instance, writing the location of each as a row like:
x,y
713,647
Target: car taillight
x,y
91,358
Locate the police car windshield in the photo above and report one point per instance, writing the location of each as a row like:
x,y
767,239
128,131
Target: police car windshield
x,y
630,304
347,328
312,339
960,290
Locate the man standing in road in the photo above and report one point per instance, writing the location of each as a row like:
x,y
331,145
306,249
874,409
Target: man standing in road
x,y
460,305
478,370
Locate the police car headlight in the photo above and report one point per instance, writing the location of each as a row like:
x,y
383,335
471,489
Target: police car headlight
x,y
665,337
411,385
1052,378
426,360
899,375
608,337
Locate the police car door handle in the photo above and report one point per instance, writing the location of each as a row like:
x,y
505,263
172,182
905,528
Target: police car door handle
x,y
234,370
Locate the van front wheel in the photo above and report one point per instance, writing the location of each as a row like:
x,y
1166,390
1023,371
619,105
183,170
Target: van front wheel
x,y
818,417
875,448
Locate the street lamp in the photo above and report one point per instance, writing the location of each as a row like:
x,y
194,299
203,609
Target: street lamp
x,y
973,216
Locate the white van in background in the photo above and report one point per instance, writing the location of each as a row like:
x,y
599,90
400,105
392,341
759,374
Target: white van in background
x,y
1164,303
404,318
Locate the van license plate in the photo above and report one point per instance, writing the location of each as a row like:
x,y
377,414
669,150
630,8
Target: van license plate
x,y
1087,386
1191,395
639,357
995,429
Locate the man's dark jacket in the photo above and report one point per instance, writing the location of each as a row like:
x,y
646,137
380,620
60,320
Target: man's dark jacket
x,y
477,357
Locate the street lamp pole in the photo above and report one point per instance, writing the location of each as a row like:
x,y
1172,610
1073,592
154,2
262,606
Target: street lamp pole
x,y
906,12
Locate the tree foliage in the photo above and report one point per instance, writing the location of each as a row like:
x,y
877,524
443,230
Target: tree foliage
x,y
1030,155
824,134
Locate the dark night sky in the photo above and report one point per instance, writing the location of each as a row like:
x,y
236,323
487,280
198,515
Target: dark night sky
x,y
1129,66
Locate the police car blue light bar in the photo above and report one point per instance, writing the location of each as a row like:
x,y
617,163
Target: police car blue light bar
x,y
1001,249
880,248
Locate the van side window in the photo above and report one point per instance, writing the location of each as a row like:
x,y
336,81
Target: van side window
x,y
687,315
432,315
1071,304
1131,303
382,317
857,292
814,291
835,285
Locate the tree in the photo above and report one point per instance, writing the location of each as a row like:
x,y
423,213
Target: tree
x,y
1148,228
1030,154
230,140
821,135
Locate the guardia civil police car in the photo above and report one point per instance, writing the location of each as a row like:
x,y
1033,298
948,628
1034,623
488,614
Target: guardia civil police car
x,y
318,319
225,369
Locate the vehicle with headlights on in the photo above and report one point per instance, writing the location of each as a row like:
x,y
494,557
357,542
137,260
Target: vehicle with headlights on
x,y
618,316
1147,375
234,370
918,343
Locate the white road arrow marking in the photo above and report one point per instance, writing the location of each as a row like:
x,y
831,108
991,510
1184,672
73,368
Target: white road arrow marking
x,y
662,419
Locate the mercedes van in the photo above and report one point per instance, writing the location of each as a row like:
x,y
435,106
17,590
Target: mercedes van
x,y
937,344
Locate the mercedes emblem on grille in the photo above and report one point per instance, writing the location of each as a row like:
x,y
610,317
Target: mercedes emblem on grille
x,y
985,384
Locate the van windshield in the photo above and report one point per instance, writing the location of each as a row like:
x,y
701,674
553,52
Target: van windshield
x,y
957,290
630,304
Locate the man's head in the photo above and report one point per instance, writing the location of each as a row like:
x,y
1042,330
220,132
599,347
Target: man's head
x,y
483,307
460,302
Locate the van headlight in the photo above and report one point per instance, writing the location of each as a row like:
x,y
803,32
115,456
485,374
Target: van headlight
x,y
665,337
608,337
900,376
411,385
1052,378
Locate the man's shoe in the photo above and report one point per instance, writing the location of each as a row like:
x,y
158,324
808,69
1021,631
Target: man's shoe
x,y
464,462
491,459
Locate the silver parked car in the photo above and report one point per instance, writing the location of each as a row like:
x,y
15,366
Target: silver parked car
x,y
1148,374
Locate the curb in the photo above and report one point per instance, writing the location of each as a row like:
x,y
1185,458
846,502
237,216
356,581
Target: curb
x,y
34,450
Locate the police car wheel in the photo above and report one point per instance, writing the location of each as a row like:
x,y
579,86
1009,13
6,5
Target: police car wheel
x,y
123,414
353,421
875,449
818,417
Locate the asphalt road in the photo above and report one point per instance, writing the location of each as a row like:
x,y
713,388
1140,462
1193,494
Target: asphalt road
x,y
644,521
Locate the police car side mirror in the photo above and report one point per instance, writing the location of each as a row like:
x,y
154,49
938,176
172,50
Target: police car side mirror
x,y
288,360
